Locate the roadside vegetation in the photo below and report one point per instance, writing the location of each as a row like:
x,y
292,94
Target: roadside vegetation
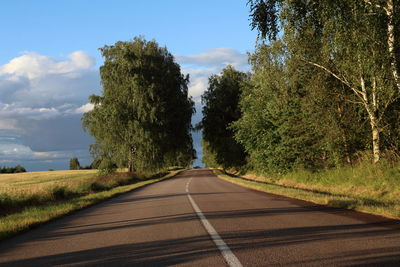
x,y
29,199
318,114
371,188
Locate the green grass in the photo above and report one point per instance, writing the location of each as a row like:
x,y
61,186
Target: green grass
x,y
61,200
371,188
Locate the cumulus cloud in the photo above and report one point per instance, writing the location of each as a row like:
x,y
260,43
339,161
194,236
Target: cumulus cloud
x,y
41,102
85,108
198,80
34,66
39,81
215,57
201,66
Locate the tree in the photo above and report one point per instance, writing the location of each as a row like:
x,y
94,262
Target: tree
x,y
221,108
342,39
392,10
143,118
74,164
19,169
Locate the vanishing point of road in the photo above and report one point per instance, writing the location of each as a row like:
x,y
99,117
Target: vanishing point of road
x,y
197,219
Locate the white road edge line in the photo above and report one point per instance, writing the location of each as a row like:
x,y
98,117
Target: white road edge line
x,y
222,246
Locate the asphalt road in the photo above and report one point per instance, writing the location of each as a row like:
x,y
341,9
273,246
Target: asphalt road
x,y
158,226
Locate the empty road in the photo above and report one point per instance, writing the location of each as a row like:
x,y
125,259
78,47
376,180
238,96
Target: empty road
x,y
169,223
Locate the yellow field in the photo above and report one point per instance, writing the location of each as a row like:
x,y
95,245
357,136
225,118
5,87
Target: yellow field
x,y
37,181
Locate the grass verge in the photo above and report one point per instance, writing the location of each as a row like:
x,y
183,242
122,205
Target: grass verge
x,y
32,216
378,201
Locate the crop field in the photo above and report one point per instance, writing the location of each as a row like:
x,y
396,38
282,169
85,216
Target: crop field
x,y
37,181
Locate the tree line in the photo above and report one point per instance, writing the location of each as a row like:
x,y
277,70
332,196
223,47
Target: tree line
x,y
323,90
142,120
16,169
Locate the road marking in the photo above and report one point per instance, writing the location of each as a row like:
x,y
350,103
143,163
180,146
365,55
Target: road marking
x,y
222,246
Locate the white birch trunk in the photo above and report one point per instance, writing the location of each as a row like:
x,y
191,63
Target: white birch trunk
x,y
373,118
391,42
375,139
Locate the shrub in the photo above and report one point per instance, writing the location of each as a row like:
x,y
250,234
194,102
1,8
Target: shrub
x,y
106,167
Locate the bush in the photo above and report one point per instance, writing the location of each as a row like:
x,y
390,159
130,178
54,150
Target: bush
x,y
106,167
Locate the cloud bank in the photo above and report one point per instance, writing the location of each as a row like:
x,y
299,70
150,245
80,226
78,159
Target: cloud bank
x,y
201,66
41,102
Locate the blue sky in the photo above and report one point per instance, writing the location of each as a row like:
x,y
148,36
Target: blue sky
x,y
49,63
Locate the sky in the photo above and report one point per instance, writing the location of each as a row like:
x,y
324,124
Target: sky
x,y
50,59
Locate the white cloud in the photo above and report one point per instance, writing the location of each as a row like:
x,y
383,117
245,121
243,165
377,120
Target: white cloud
x,y
35,66
201,66
85,108
215,57
198,80
39,81
15,111
41,101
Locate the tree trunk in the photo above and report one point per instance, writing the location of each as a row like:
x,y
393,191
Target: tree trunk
x,y
375,139
391,41
371,109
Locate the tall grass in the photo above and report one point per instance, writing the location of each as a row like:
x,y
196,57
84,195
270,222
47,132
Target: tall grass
x,y
373,188
35,189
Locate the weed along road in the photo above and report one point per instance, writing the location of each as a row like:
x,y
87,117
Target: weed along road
x,y
197,219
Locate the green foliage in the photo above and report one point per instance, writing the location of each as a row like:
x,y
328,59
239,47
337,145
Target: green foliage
x,y
208,159
338,57
143,118
264,17
95,163
107,166
273,128
74,164
324,92
219,111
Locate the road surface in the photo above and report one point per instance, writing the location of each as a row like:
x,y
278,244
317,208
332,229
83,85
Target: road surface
x,y
169,223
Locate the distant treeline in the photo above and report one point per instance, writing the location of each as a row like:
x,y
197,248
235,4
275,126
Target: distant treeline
x,y
75,165
16,169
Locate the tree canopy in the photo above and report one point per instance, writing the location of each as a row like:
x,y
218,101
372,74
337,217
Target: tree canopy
x,y
142,120
324,85
221,108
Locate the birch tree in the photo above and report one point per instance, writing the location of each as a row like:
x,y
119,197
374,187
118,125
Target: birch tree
x,y
350,42
143,109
